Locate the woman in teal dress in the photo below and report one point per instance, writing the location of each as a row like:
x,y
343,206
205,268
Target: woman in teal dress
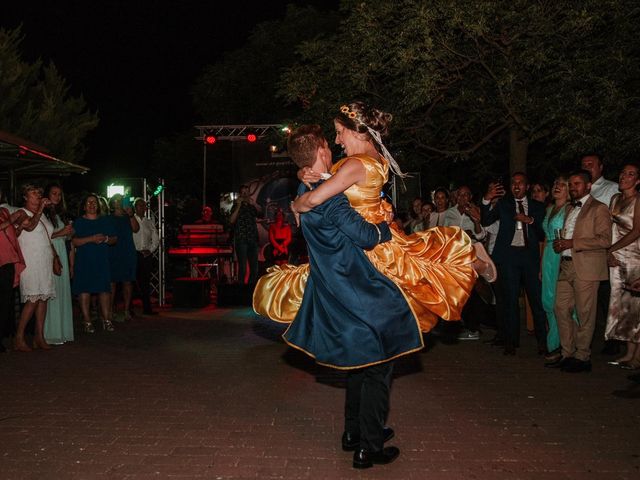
x,y
94,235
122,256
553,225
58,325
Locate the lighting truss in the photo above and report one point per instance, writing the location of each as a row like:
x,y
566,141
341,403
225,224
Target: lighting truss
x,y
236,132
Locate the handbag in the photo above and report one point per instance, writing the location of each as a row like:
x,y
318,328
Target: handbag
x,y
57,263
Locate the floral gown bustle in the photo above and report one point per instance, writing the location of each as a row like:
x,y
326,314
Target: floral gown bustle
x,y
623,320
433,268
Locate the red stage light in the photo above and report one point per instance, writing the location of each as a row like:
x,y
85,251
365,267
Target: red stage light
x,y
251,137
210,139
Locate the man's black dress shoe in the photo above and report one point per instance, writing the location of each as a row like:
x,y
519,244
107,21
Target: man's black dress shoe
x,y
149,312
509,350
558,363
365,459
351,441
576,366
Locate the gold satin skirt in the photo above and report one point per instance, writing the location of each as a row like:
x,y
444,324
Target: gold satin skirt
x,y
433,270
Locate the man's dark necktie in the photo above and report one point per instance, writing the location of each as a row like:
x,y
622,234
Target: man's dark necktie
x,y
576,204
524,225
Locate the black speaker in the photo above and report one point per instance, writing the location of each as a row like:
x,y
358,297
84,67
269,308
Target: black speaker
x,y
191,292
234,295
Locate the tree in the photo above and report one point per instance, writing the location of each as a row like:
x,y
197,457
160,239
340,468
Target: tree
x,y
241,89
475,82
36,103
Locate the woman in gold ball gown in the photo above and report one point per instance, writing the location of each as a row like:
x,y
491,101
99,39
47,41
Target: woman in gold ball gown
x,y
434,269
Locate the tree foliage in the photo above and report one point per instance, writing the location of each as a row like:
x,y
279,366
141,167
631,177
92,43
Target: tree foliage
x,y
475,83
36,103
241,88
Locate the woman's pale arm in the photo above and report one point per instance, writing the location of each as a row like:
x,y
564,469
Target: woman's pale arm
x,y
351,172
633,234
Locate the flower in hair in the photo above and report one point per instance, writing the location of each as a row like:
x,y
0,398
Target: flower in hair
x,y
350,113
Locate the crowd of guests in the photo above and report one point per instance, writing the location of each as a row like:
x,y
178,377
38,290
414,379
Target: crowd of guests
x,y
572,245
109,244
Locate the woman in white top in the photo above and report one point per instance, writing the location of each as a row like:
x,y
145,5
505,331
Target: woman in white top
x,y
36,281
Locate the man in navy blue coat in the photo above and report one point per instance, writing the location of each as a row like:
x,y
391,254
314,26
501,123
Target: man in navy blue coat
x,y
351,317
517,256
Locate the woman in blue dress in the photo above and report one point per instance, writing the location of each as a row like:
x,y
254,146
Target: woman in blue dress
x,y
93,236
58,325
553,225
123,257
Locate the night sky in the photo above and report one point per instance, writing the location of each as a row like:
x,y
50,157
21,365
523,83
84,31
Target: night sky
x,y
134,62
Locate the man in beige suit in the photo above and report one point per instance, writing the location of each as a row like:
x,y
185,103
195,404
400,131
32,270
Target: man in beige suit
x,y
583,246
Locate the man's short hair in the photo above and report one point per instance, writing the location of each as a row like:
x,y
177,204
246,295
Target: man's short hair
x,y
303,144
585,174
526,177
591,153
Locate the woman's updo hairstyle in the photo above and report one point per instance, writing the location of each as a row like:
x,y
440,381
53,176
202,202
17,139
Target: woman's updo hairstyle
x,y
358,116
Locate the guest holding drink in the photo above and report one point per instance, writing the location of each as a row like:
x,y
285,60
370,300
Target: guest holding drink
x,y
58,325
623,321
36,280
552,225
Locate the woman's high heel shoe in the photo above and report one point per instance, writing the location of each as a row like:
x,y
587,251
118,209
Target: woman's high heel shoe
x,y
107,326
88,327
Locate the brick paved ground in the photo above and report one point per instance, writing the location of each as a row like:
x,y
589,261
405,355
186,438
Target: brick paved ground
x,y
215,394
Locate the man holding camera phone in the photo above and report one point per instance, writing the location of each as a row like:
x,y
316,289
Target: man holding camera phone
x,y
517,256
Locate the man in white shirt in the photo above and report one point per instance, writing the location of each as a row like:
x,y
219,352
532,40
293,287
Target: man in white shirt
x,y
602,190
465,215
146,241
